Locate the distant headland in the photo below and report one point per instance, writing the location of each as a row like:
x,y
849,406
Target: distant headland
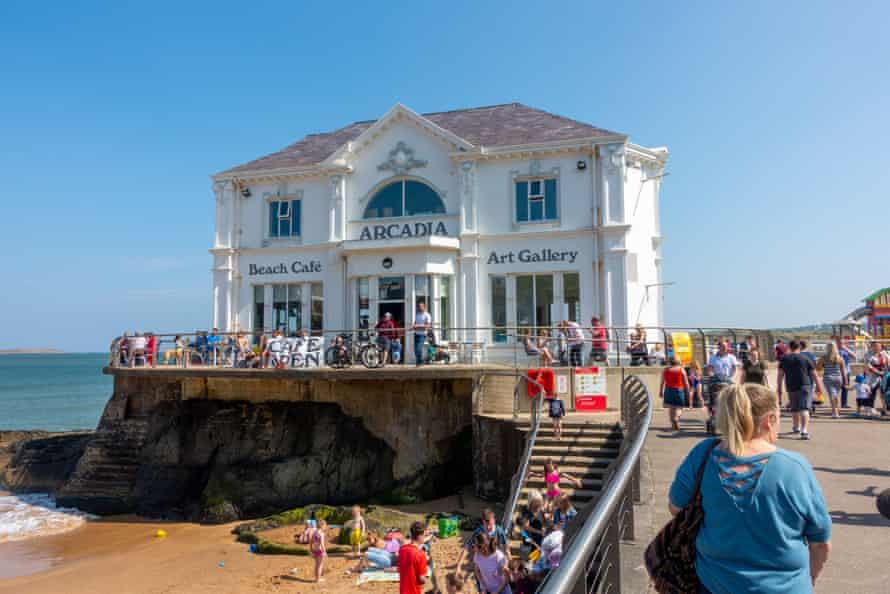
x,y
31,352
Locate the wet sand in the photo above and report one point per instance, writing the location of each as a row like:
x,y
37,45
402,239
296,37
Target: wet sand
x,y
122,555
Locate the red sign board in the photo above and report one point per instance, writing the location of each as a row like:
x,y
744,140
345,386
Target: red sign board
x,y
590,389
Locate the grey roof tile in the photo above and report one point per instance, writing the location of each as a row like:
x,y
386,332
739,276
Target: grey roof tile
x,y
492,126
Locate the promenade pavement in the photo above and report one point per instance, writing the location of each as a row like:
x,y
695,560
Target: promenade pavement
x,y
851,457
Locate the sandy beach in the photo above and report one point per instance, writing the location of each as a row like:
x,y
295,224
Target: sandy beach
x,y
122,554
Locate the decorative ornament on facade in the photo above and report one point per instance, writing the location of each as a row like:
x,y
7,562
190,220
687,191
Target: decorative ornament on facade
x,y
534,167
336,187
616,158
401,159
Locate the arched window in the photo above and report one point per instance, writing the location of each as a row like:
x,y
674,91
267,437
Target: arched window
x,y
404,198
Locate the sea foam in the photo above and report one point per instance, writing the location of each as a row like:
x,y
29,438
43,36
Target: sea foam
x,y
36,514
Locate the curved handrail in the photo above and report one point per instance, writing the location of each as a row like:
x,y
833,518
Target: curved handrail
x,y
522,471
579,553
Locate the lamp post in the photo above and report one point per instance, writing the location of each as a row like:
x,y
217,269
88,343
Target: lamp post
x,y
646,295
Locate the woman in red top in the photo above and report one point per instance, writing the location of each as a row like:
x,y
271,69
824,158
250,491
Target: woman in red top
x,y
674,390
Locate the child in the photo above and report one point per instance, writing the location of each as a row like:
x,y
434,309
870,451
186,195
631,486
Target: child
x,y
552,477
319,552
308,530
356,527
694,374
490,565
453,583
526,538
564,512
864,397
519,580
557,412
395,348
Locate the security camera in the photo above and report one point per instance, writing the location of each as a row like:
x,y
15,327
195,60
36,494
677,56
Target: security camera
x,y
245,191
581,165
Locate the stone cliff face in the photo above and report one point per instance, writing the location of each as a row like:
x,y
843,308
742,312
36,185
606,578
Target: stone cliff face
x,y
180,444
39,461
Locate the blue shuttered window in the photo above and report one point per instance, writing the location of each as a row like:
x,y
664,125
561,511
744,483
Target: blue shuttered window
x,y
284,218
536,200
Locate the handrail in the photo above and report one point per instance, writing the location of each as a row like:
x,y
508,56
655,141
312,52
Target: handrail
x,y
592,554
522,471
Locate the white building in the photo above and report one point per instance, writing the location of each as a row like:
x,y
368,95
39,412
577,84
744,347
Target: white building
x,y
495,216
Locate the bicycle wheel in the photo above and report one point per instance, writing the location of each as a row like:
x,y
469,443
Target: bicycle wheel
x,y
333,357
372,356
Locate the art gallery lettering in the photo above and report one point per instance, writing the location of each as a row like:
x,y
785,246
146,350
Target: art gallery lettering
x,y
500,219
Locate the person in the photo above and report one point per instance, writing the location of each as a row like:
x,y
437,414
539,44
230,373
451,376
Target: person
x,y
538,346
214,340
557,411
574,339
490,528
151,347
520,582
490,566
724,365
532,517
781,349
396,350
318,549
274,346
754,370
309,529
877,364
674,391
454,583
746,347
848,356
637,348
564,512
386,333
767,528
599,342
412,561
242,350
799,376
657,356
551,551
123,345
552,477
357,529
380,554
864,397
176,352
422,323
136,348
694,373
834,376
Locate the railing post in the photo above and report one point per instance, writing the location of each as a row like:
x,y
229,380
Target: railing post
x,y
627,520
612,558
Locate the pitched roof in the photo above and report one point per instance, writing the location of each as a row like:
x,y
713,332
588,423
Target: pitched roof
x,y
877,294
492,126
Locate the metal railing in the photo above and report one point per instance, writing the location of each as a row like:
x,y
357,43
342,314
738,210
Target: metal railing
x,y
531,436
591,561
515,346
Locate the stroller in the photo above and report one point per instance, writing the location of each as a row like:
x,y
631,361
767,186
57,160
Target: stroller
x,y
436,352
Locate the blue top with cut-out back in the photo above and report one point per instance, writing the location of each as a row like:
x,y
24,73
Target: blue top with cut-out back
x,y
760,513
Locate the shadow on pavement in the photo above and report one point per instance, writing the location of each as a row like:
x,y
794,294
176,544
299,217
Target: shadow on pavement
x,y
867,492
841,517
865,471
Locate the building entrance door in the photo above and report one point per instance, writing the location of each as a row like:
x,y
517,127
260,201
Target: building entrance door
x,y
391,298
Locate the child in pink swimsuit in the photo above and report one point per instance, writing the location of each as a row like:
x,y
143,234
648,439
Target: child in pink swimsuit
x,y
319,552
552,476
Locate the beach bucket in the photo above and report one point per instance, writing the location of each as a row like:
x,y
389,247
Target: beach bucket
x,y
444,528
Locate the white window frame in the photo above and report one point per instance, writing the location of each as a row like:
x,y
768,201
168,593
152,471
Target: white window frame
x,y
517,177
267,232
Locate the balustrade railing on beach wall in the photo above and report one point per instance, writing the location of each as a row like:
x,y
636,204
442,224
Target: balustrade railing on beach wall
x,y
515,346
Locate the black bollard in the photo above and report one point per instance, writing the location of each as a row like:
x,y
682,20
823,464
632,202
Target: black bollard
x,y
883,503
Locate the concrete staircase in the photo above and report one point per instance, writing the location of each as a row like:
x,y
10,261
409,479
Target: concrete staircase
x,y
587,450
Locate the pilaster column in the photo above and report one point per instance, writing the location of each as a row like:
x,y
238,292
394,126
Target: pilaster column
x,y
467,193
613,184
337,214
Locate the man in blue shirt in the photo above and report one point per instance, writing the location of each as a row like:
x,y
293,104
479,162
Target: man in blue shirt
x,y
847,355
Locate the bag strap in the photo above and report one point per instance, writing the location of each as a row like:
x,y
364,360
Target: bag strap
x,y
701,469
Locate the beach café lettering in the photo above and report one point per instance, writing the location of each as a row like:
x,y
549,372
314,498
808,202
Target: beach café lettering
x,y
296,267
403,230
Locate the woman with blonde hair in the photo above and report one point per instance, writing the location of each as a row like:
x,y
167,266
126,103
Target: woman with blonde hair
x,y
766,527
834,376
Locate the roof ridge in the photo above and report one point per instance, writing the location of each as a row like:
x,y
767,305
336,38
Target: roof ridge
x,y
480,108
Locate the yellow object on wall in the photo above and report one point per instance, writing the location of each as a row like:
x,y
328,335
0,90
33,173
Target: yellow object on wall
x,y
682,347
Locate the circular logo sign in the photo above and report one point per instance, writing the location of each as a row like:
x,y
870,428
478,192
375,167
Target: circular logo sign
x,y
387,262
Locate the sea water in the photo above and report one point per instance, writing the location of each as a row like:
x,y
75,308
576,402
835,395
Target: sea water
x,y
62,392
35,514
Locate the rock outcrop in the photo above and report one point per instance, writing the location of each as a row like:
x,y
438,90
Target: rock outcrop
x,y
180,445
39,461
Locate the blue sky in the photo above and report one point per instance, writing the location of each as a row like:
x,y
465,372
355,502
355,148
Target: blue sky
x,y
112,117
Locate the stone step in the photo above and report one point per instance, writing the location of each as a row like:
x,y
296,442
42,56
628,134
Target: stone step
x,y
570,459
581,449
586,483
569,441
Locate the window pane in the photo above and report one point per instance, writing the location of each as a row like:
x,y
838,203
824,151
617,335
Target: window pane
x,y
364,303
420,199
444,305
571,288
550,199
543,300
536,210
499,308
316,321
386,203
284,227
294,309
525,302
521,201
279,307
391,288
258,307
295,207
422,291
273,219
534,188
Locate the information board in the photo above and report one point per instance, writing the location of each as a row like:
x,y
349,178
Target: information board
x,y
590,389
